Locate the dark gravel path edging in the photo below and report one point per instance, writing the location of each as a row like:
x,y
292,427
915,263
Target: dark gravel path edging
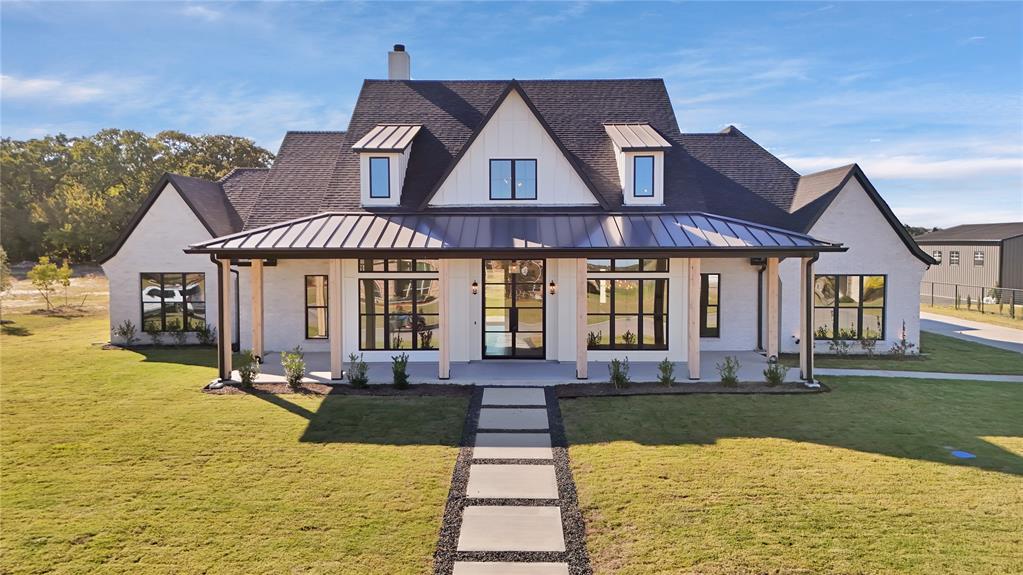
x,y
576,390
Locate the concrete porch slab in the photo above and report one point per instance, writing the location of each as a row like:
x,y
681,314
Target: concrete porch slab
x,y
513,446
505,568
511,528
512,418
512,482
514,396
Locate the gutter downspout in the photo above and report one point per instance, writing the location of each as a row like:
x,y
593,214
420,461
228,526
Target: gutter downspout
x,y
760,300
808,340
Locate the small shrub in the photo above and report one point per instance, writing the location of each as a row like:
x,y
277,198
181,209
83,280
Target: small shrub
x,y
775,374
179,337
126,332
969,302
248,367
618,370
156,337
629,338
838,347
903,347
46,276
729,371
358,371
593,339
206,334
293,363
399,370
666,373
869,345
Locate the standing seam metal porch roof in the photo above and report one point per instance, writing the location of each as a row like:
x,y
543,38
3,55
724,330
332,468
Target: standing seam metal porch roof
x,y
487,232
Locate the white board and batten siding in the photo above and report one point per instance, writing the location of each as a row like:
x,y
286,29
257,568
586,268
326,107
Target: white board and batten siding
x,y
513,132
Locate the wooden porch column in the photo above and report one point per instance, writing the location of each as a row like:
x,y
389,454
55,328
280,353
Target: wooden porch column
x,y
806,318
444,329
581,330
334,319
772,307
224,320
693,319
256,285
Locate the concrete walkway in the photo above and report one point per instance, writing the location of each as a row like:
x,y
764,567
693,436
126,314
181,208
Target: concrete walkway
x,y
916,374
974,331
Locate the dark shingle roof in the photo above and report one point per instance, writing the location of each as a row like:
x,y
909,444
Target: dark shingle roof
x,y
974,232
242,187
209,202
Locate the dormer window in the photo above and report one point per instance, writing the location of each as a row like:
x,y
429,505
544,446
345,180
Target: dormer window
x,y
380,177
512,179
643,176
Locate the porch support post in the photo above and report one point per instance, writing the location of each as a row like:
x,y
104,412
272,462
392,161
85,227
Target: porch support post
x,y
256,281
772,307
581,334
224,320
444,329
806,317
693,319
335,320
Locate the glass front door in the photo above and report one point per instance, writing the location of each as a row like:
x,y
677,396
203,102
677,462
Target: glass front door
x,y
513,309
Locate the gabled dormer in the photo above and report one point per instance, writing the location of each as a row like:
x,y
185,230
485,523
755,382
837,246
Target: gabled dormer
x,y
639,152
383,157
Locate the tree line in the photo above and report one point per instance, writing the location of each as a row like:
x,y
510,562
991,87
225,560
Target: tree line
x,y
70,197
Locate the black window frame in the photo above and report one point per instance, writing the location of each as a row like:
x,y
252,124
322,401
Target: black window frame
x,y
653,178
611,266
978,258
705,305
389,262
163,304
835,331
514,191
325,306
953,257
370,166
640,315
386,315
936,254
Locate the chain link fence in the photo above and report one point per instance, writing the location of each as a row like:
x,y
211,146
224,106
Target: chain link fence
x,y
1005,302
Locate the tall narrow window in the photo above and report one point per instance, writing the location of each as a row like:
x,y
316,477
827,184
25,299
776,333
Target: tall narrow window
x,y
643,176
379,177
978,258
173,302
315,307
710,316
953,258
936,254
512,179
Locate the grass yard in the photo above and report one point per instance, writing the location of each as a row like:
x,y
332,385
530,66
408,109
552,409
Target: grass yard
x,y
941,354
991,316
115,462
859,480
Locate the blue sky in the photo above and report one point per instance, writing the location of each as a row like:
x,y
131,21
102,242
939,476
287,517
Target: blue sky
x,y
927,97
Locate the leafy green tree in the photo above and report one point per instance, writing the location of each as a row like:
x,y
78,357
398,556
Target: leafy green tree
x,y
46,276
6,282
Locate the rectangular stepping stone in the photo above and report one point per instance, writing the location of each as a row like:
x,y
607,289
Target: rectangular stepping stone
x,y
512,482
511,528
514,396
513,418
503,568
513,446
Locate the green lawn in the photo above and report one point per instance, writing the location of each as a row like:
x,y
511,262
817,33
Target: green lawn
x,y
992,314
115,462
941,353
859,480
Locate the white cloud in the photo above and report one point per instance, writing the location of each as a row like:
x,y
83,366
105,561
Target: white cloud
x,y
943,217
911,166
51,89
202,13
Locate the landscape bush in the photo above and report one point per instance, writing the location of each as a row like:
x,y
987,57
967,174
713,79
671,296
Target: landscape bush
x,y
248,367
293,363
618,370
126,332
358,371
775,373
399,370
666,373
728,370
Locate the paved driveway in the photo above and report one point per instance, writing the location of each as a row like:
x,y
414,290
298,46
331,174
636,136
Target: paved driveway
x,y
977,332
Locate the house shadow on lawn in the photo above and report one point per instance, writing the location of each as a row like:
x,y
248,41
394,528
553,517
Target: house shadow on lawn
x,y
909,419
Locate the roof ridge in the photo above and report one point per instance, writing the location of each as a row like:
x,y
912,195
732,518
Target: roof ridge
x,y
236,169
845,167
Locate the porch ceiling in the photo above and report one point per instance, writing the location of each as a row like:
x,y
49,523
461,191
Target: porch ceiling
x,y
570,234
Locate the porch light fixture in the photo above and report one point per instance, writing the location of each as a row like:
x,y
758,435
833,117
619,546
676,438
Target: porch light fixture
x,y
552,288
475,287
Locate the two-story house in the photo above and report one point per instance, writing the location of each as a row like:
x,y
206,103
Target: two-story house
x,y
566,221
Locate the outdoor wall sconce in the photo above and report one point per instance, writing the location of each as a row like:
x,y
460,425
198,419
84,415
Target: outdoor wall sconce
x,y
552,288
475,287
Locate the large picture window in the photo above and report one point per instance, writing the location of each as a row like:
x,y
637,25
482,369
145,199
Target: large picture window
x,y
848,307
512,179
173,301
316,307
425,266
398,313
627,313
710,316
630,265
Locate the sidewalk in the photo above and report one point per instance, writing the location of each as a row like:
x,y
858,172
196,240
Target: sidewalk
x,y
916,374
974,331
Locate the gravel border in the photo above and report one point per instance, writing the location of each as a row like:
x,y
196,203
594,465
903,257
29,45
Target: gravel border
x,y
574,530
373,390
604,389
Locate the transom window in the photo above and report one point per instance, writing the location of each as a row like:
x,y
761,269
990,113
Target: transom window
x,y
848,307
953,258
512,179
173,301
398,313
643,176
627,265
370,265
710,293
316,307
936,254
380,177
627,313
978,258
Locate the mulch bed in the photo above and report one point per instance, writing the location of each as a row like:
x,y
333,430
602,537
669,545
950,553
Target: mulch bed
x,y
575,390
417,390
